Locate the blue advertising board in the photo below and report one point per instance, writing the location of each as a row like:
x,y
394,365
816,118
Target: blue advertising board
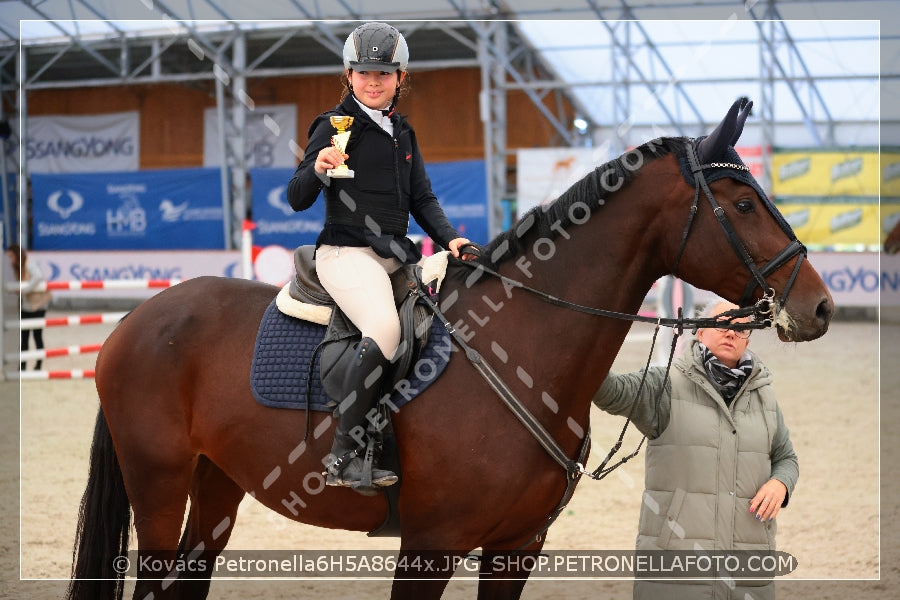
x,y
459,186
276,222
169,209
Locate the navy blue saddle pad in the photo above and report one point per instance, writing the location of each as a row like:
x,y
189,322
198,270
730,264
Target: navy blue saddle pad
x,y
285,346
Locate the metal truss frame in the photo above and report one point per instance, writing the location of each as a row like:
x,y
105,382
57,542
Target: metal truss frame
x,y
508,62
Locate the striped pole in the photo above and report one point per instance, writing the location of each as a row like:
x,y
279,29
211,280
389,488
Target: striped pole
x,y
105,318
103,284
46,375
53,352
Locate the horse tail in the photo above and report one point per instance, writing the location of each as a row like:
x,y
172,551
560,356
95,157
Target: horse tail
x,y
104,518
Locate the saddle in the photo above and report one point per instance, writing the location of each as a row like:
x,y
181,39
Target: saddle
x,y
304,297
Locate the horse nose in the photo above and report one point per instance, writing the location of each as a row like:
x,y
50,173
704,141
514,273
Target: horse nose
x,y
824,312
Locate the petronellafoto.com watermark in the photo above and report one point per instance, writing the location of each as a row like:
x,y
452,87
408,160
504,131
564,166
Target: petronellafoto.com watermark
x,y
384,564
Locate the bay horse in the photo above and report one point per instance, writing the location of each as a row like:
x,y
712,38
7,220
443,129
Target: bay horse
x,y
177,420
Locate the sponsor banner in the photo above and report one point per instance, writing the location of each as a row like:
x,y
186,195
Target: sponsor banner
x,y
461,189
813,173
890,279
276,222
84,143
859,278
459,186
838,223
543,174
141,210
104,265
267,134
890,173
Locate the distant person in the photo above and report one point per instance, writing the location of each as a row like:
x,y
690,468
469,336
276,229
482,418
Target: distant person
x,y
33,301
719,464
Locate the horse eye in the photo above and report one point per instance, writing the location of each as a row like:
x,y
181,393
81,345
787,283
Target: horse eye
x,y
744,206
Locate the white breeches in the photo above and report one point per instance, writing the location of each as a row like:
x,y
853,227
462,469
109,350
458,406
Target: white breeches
x,y
357,279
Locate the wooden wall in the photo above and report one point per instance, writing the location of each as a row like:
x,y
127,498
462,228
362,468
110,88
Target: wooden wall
x,y
442,107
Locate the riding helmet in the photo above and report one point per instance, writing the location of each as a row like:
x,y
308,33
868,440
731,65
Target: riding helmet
x,y
376,46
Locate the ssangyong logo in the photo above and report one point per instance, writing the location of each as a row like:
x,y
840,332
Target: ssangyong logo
x,y
276,199
65,202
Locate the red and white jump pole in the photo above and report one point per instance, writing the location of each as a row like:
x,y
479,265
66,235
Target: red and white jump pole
x,y
66,321
53,352
106,284
46,375
99,319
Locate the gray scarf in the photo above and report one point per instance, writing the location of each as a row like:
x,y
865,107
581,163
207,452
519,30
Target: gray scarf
x,y
726,380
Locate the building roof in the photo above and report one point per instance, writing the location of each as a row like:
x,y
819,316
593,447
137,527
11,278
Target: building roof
x,y
674,64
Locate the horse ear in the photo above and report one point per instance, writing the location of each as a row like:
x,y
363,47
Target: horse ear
x,y
715,143
746,111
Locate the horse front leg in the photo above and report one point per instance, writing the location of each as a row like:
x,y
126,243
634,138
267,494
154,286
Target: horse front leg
x,y
503,574
423,574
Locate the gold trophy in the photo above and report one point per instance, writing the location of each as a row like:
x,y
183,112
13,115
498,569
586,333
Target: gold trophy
x,y
339,140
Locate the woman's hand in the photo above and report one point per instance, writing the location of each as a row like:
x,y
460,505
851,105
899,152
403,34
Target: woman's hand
x,y
455,245
329,158
768,500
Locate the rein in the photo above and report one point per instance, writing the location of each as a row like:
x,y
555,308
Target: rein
x,y
761,310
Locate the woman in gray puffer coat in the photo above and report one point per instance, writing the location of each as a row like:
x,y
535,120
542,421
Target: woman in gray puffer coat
x,y
719,463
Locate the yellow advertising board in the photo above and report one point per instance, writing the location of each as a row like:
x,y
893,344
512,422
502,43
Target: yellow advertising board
x,y
831,173
890,173
840,222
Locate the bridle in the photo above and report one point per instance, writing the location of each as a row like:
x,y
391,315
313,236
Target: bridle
x,y
762,312
758,276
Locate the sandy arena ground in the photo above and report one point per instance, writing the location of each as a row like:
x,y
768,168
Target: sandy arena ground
x,y
828,390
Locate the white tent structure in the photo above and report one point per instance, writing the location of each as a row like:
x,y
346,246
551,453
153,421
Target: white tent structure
x,y
822,73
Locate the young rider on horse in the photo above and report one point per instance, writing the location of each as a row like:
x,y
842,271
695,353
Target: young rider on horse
x,y
366,221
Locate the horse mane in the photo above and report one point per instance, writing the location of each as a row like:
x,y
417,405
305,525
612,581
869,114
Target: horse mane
x,y
592,190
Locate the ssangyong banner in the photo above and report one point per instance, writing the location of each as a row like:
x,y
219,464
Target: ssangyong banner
x,y
268,133
277,224
461,189
859,278
116,265
168,209
83,143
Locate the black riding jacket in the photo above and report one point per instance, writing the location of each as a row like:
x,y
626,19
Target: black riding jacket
x,y
390,183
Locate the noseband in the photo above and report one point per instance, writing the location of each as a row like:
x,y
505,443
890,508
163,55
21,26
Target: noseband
x,y
758,276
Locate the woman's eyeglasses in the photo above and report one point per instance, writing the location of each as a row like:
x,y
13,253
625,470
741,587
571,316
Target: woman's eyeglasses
x,y
741,333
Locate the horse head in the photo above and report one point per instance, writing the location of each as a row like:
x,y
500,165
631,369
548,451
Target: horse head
x,y
751,229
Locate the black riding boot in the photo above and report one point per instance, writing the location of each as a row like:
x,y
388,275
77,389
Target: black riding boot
x,y
362,385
